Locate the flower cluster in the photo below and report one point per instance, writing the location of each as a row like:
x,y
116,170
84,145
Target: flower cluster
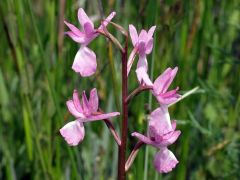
x,y
85,64
161,130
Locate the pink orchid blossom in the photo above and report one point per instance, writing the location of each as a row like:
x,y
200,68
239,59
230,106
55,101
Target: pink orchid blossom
x,y
143,45
73,132
85,61
161,134
161,85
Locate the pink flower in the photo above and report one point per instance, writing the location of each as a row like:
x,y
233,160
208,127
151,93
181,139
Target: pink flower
x,y
161,85
161,134
143,45
86,111
85,60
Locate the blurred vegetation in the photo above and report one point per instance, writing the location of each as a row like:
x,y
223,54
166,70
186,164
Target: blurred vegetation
x,y
200,37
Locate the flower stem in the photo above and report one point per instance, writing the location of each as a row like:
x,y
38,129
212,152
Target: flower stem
x,y
133,155
110,127
122,147
137,91
108,35
113,131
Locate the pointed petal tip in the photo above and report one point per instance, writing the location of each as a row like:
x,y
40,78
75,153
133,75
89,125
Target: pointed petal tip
x,y
80,10
68,101
114,113
132,28
94,89
179,132
175,69
133,134
67,23
113,13
151,31
131,25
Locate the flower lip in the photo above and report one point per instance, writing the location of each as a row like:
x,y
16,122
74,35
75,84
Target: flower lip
x,y
165,161
73,132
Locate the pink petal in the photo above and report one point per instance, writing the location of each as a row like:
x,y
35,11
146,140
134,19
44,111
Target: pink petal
x,y
107,20
90,32
142,63
169,81
142,48
149,43
99,117
78,39
74,29
160,81
144,139
133,34
167,97
83,18
170,138
85,104
93,100
73,132
174,125
151,31
159,123
149,46
85,62
143,36
170,93
165,161
167,100
77,102
131,59
142,68
72,109
143,77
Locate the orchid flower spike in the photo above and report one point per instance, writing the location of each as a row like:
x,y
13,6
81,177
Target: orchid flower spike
x,y
87,111
161,85
85,61
161,134
143,45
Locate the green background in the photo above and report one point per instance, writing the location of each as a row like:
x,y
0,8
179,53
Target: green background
x,y
201,37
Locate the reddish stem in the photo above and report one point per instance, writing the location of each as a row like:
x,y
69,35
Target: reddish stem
x,y
122,147
110,127
113,131
137,91
133,155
